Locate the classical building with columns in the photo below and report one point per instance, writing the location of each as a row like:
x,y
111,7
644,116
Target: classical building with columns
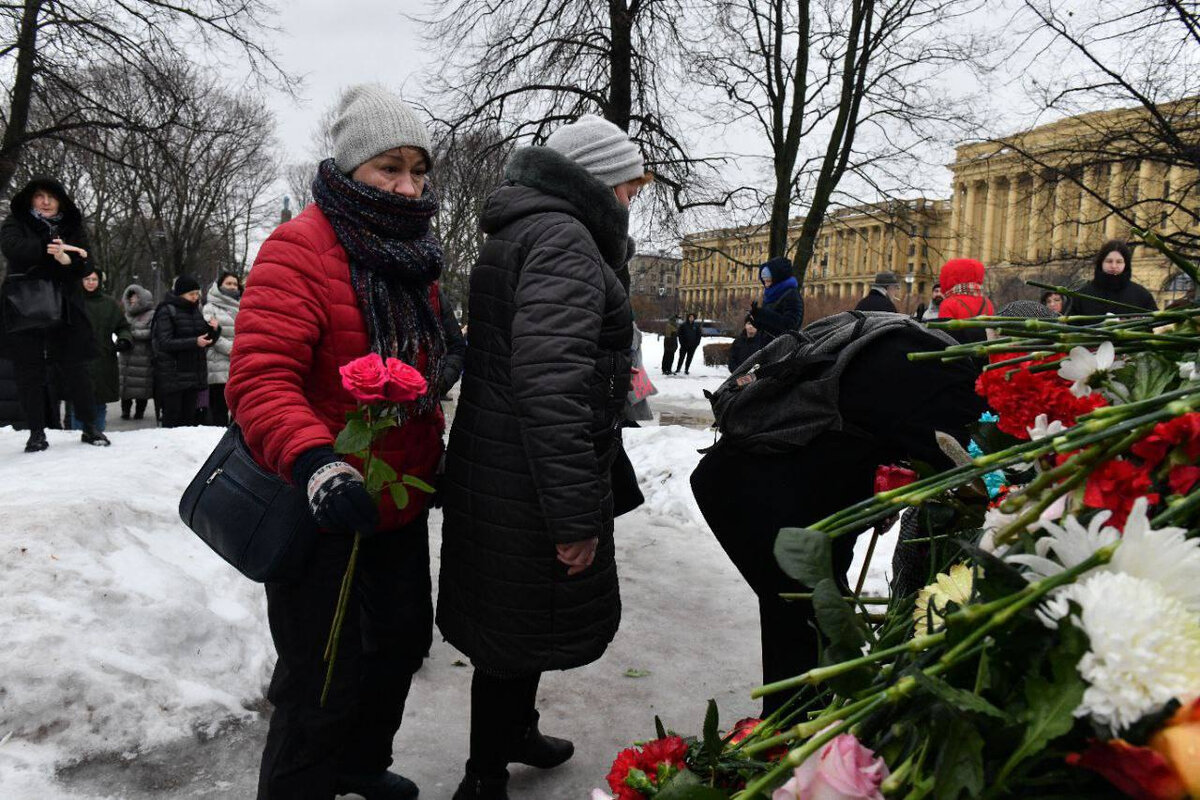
x,y
1017,205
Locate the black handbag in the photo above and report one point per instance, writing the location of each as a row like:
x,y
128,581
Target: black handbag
x,y
31,304
627,495
252,518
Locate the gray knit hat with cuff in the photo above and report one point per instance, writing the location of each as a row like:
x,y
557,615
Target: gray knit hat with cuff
x,y
601,148
372,120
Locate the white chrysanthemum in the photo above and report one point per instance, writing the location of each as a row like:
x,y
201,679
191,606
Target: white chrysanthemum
x,y
1082,364
1189,371
1042,427
994,520
1143,647
1165,556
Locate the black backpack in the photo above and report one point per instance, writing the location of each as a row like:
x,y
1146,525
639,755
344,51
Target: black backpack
x,y
786,394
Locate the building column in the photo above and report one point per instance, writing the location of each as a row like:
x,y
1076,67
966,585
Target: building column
x,y
1146,210
966,242
1113,224
1089,210
1177,219
986,250
1060,218
956,216
1012,220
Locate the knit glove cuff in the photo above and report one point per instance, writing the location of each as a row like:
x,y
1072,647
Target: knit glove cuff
x,y
327,480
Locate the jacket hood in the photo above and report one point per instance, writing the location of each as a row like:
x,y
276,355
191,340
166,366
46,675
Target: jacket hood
x,y
22,201
538,180
142,301
780,268
217,297
960,270
1112,283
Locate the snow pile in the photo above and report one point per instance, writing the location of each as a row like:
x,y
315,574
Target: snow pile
x,y
123,630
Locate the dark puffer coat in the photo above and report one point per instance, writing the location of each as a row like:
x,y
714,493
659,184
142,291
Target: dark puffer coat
x,y
137,363
785,312
1114,293
23,240
107,321
537,423
179,363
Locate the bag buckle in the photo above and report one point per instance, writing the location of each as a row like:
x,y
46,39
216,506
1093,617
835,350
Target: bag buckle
x,y
213,477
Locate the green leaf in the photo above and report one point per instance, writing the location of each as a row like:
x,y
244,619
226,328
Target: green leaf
x,y
418,484
844,628
354,438
1050,713
659,729
634,672
379,474
957,698
805,555
1152,375
712,736
686,785
383,424
399,494
959,770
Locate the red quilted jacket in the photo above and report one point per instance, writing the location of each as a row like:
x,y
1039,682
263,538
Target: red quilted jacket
x,y
299,321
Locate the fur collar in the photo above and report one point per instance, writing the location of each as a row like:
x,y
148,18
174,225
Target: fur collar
x,y
595,205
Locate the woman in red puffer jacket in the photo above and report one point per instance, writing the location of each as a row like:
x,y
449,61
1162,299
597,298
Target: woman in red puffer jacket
x,y
961,280
355,273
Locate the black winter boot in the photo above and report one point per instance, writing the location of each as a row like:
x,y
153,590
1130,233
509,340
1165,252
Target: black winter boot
x,y
377,786
94,437
477,787
535,749
36,442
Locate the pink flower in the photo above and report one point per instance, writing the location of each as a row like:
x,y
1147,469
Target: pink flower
x,y
405,383
841,770
365,378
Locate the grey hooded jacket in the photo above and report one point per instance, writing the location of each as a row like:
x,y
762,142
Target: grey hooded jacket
x,y
225,309
137,363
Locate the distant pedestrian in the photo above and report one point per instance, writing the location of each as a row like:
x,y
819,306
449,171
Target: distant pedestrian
x,y
670,344
46,245
961,281
747,343
930,312
1054,302
224,298
782,307
1112,285
883,294
456,346
689,340
181,335
137,363
113,336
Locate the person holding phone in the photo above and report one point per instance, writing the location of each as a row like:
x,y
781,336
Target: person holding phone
x,y
180,335
44,238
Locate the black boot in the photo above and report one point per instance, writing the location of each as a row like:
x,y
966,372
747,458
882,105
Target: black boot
x,y
535,749
378,786
477,787
36,442
93,436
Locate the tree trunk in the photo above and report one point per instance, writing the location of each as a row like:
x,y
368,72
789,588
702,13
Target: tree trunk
x,y
620,61
21,97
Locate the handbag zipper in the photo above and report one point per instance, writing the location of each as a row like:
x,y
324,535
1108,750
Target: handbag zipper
x,y
213,477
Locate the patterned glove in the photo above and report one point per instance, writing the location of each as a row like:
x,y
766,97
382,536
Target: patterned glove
x,y
337,495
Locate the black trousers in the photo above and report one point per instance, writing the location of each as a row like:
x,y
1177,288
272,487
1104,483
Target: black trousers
x,y
685,355
669,347
386,634
178,408
218,410
33,379
502,708
746,498
128,402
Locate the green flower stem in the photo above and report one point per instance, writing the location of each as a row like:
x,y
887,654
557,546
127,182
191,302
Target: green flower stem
x,y
1153,240
1178,511
1065,292
339,616
797,756
822,674
866,600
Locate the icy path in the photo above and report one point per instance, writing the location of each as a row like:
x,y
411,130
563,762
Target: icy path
x,y
128,646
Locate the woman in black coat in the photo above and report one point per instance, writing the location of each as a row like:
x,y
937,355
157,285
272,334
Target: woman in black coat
x,y
529,580
1112,285
44,239
180,334
748,342
782,307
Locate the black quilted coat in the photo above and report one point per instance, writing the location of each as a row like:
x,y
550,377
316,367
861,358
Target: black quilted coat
x,y
527,467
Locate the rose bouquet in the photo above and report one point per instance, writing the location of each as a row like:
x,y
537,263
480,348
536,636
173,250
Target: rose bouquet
x,y
383,390
1055,651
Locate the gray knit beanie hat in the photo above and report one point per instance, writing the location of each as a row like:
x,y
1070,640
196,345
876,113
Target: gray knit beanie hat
x,y
372,120
601,148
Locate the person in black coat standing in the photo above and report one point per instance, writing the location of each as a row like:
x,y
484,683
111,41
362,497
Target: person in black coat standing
x,y
1112,286
782,307
44,240
670,344
882,295
689,340
456,346
748,342
180,335
529,580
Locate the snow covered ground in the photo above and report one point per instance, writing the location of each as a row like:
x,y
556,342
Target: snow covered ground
x,y
127,642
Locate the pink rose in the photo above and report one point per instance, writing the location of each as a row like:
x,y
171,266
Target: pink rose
x,y
404,383
365,378
841,770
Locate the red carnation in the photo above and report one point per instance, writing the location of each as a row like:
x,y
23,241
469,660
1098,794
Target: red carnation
x,y
1139,772
888,477
1182,478
670,750
1183,431
1116,485
1018,395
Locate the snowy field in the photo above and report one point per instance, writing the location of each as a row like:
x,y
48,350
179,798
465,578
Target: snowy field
x,y
125,637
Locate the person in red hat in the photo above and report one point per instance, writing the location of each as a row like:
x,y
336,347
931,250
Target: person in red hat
x,y
961,280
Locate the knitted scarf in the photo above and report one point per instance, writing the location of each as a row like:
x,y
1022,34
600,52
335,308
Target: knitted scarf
x,y
394,256
777,290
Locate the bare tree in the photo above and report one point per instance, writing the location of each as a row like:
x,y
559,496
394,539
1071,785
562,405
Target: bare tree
x,y
536,64
47,44
837,89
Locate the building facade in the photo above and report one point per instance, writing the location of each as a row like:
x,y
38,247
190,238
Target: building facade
x,y
653,285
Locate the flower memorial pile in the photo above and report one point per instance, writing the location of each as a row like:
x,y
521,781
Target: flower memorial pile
x,y
1055,651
